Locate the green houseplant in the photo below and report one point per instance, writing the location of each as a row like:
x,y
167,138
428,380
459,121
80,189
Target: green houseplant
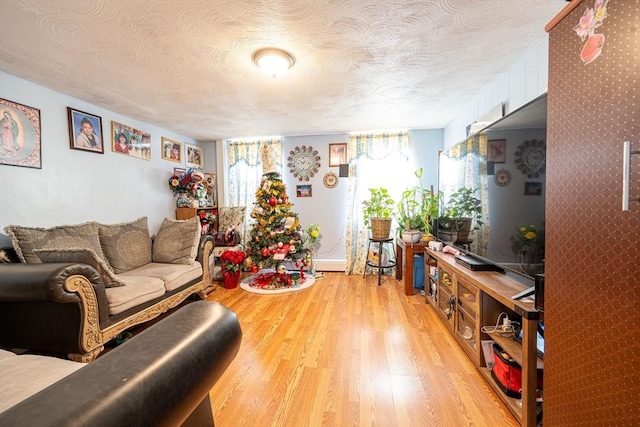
x,y
417,208
378,211
461,213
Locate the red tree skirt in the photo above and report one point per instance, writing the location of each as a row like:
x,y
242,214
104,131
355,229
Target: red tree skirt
x,y
269,281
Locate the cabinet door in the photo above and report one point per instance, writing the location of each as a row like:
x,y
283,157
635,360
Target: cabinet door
x,y
431,291
446,299
467,330
591,245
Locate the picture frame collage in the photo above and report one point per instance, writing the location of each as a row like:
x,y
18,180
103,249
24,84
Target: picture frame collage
x,y
20,138
337,158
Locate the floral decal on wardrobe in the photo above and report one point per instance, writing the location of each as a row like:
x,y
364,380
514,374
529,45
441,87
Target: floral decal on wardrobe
x,y
586,30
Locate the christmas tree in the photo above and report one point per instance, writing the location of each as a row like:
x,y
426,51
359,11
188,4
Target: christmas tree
x,y
276,235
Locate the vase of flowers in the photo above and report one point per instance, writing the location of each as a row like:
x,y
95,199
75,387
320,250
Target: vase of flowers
x,y
187,186
313,235
232,266
527,240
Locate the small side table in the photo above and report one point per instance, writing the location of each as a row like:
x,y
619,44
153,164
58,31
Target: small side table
x,y
391,262
406,251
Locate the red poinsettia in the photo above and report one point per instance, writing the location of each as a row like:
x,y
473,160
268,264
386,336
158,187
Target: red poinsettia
x,y
232,260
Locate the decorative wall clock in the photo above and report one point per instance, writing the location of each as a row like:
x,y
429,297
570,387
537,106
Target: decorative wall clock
x,y
303,162
502,177
530,158
330,180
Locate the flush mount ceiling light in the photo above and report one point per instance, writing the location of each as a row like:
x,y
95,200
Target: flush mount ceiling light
x,y
273,61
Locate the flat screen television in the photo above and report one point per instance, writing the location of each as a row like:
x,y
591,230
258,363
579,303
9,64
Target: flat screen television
x,y
512,172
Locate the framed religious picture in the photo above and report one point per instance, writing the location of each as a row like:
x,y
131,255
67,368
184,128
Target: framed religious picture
x,y
130,141
85,131
497,150
171,150
194,156
210,179
20,138
303,190
337,154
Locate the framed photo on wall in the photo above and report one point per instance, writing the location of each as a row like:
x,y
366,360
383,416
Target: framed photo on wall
x,y
194,156
497,150
337,154
532,188
130,141
303,190
20,137
171,150
85,131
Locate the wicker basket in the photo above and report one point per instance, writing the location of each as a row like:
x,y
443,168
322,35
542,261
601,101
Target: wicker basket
x,y
380,228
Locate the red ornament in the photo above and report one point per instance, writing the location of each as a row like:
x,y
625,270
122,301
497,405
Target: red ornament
x,y
254,268
265,252
273,201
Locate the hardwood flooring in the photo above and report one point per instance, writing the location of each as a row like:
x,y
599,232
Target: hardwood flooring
x,y
346,352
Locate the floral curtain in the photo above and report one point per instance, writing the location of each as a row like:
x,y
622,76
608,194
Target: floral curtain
x,y
468,161
245,171
375,160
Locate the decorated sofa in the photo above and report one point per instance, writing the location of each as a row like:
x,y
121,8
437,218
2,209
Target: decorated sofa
x,y
160,377
79,286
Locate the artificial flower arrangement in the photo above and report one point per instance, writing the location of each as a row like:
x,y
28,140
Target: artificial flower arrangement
x,y
526,235
232,260
313,231
191,182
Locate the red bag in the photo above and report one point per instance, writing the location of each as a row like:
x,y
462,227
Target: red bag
x,y
507,373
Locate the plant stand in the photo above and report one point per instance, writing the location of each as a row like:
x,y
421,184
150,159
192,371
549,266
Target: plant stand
x,y
378,263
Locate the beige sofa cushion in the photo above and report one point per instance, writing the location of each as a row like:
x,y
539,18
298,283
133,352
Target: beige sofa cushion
x,y
126,245
22,376
26,239
177,241
172,275
138,290
81,256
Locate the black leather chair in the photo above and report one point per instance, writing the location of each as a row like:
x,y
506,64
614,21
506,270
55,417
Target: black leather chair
x,y
160,377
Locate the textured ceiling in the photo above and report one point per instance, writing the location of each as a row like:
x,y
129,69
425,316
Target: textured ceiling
x,y
185,65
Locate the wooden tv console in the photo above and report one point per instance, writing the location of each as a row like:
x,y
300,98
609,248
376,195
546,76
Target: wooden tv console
x,y
467,300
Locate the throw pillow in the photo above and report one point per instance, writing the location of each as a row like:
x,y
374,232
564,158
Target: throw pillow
x,y
81,256
177,241
126,246
26,239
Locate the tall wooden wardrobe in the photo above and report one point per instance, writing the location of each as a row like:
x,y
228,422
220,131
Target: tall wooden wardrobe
x,y
592,274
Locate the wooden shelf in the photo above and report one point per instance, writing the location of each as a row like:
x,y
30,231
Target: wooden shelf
x,y
512,347
511,403
480,297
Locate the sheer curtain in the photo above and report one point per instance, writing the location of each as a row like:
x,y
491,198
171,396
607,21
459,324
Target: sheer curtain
x,y
245,171
467,162
375,160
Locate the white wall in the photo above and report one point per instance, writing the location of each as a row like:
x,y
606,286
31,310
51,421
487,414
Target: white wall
x,y
328,206
74,186
524,81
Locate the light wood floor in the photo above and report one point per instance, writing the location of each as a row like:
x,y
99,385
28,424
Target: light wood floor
x,y
346,352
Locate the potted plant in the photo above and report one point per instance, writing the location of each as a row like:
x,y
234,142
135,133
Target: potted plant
x,y
416,210
461,214
232,266
378,211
